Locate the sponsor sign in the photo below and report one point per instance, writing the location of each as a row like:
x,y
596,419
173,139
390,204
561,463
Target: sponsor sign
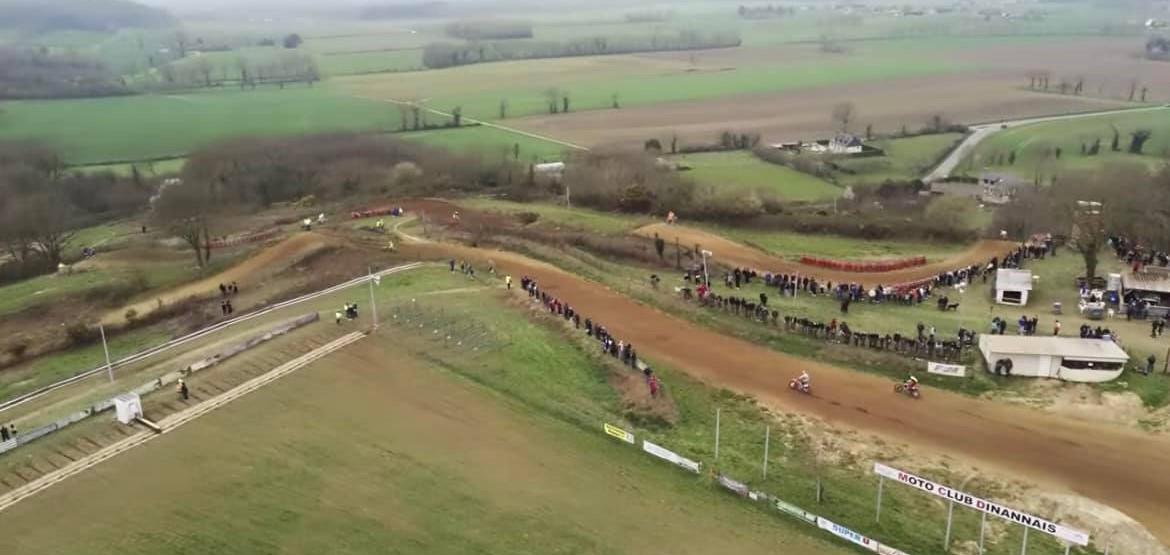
x,y
619,433
788,508
670,456
739,488
846,534
967,500
953,370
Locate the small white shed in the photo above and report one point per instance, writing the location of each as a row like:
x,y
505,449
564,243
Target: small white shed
x,y
128,406
1064,358
1012,286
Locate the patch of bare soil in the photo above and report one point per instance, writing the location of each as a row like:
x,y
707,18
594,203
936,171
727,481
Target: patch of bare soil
x,y
1082,402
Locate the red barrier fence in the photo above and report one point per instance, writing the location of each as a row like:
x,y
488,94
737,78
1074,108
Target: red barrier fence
x,y
866,266
224,242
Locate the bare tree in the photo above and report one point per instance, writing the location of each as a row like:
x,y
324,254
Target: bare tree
x,y
503,109
552,95
184,210
181,42
843,113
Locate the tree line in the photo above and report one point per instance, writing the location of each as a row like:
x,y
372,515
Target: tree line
x,y
246,174
27,73
42,205
442,55
489,30
1133,203
246,72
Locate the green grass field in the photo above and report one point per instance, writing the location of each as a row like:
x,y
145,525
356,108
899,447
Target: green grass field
x,y
169,166
119,129
1034,145
357,63
592,82
741,171
905,159
557,216
490,142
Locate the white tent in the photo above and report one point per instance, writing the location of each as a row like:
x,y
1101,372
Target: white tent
x,y
1012,286
1066,358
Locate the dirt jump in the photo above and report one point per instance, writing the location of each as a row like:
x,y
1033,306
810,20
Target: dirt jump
x,y
730,253
270,260
1121,468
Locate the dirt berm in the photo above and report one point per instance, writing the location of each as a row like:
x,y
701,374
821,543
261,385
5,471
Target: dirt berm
x,y
730,253
1122,468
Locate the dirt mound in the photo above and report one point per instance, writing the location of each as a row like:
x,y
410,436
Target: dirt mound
x,y
1123,468
730,253
268,261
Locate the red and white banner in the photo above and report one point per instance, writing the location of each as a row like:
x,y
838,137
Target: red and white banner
x,y
967,500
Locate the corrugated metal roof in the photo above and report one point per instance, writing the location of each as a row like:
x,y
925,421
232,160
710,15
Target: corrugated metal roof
x,y
1146,281
1013,280
1067,347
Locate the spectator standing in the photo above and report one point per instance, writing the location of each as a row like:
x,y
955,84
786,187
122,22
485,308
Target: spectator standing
x,y
184,393
1056,328
3,433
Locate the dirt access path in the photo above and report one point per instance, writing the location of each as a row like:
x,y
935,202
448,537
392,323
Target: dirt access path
x,y
731,253
1121,468
269,260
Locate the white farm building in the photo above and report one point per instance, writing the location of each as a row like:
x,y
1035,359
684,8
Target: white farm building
x,y
1063,358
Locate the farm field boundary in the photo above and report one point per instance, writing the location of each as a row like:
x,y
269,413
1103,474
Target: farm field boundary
x,y
173,422
164,347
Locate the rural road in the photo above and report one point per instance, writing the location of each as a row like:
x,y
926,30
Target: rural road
x,y
981,132
1121,468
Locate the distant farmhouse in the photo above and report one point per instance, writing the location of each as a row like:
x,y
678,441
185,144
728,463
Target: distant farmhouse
x,y
841,144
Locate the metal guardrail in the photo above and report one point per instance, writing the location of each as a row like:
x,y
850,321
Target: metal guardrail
x,y
163,347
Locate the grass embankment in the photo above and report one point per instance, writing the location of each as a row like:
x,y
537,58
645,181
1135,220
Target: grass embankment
x,y
741,172
1035,145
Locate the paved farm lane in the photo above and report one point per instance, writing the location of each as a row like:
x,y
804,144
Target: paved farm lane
x,y
728,252
1125,469
981,132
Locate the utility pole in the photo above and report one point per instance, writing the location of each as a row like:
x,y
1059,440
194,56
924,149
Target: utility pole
x,y
106,348
706,276
373,303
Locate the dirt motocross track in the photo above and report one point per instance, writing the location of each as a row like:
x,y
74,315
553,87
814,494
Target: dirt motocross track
x,y
730,253
1118,467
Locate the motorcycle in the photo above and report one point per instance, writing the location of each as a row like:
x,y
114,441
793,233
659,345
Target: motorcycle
x,y
796,385
911,390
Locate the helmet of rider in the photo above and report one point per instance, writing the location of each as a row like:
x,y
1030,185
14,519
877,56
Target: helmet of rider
x,y
913,380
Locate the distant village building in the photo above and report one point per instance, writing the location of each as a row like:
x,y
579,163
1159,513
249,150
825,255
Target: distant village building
x,y
845,144
551,170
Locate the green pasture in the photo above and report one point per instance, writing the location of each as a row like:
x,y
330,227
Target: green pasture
x,y
489,142
594,87
905,159
149,168
1035,145
104,130
369,62
740,171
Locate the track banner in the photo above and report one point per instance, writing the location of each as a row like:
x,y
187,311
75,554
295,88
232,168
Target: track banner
x,y
954,370
619,433
671,456
967,500
736,487
790,509
846,534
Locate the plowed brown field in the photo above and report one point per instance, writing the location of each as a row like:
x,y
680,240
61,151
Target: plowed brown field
x,y
730,253
1119,467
